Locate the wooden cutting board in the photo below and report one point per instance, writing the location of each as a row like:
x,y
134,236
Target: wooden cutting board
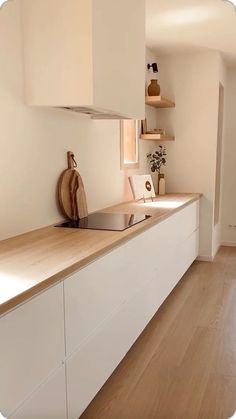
x,y
71,193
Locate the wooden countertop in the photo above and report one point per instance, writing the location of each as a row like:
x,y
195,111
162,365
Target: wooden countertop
x,y
33,261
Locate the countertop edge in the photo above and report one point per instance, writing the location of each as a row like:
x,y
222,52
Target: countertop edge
x,y
25,296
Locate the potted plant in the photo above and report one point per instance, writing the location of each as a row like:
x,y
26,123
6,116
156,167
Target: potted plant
x,y
156,161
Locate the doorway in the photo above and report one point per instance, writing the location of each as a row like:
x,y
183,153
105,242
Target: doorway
x,y
219,155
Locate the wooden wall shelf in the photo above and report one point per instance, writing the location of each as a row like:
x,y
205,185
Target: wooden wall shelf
x,y
159,102
157,137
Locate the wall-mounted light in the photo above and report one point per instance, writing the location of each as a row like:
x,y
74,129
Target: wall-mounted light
x,y
233,2
153,66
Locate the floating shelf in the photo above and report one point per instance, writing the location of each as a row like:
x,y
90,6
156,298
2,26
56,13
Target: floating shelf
x,y
157,137
159,102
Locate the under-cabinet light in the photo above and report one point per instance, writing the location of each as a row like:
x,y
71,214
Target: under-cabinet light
x,y
162,204
233,2
2,2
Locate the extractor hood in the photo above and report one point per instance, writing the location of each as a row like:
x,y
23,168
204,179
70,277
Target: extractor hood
x,y
94,113
87,56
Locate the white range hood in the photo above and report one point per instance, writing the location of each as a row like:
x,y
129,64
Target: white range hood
x,y
95,113
87,56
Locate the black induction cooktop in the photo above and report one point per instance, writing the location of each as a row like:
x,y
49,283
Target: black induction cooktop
x,y
106,221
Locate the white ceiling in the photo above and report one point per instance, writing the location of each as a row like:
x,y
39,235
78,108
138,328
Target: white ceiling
x,y
192,25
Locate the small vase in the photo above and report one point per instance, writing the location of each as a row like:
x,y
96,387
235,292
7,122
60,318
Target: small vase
x,y
161,184
154,88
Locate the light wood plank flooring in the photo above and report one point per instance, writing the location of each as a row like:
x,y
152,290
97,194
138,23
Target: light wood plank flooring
x,y
183,366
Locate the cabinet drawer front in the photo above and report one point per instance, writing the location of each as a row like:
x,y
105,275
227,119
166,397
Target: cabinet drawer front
x,y
90,367
48,402
32,346
95,292
175,229
176,263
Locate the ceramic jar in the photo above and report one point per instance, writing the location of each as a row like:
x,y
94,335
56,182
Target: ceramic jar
x,y
161,184
154,88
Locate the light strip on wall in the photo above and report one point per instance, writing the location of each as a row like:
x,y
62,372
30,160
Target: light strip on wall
x,y
2,3
233,2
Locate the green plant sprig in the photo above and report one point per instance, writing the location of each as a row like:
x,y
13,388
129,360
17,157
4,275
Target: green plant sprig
x,y
157,159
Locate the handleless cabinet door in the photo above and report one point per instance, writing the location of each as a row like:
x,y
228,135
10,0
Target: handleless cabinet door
x,y
32,347
95,293
110,302
48,402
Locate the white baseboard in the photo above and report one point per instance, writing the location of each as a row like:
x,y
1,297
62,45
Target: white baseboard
x,y
205,259
229,244
217,250
211,258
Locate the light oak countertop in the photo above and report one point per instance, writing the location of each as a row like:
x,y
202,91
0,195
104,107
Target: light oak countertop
x,y
32,262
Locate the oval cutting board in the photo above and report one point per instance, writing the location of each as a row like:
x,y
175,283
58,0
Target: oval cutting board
x,y
71,193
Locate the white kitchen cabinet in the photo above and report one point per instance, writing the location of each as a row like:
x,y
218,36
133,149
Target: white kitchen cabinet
x,y
32,347
58,349
48,402
90,367
110,302
94,293
87,55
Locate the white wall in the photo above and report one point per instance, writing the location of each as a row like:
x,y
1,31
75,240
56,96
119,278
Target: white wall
x,y
34,142
229,163
192,80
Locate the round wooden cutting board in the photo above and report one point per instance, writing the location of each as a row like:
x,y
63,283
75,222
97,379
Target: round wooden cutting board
x,y
71,193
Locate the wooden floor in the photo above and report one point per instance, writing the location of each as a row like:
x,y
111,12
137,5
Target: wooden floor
x,y
184,364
